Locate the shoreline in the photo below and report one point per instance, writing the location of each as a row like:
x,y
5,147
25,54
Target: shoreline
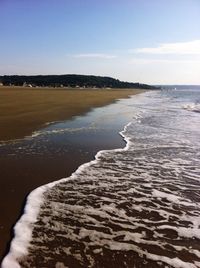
x,y
25,110
45,169
122,208
24,226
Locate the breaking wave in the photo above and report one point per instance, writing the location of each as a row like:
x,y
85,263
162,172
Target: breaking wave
x,y
192,107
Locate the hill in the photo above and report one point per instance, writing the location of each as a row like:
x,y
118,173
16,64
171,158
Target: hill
x,y
69,80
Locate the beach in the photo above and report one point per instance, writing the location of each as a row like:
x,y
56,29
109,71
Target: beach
x,y
100,134
136,204
24,110
31,162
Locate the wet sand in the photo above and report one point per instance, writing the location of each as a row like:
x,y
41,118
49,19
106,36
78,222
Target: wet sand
x,y
21,172
23,110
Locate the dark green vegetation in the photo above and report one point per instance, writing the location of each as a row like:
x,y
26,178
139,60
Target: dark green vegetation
x,y
69,80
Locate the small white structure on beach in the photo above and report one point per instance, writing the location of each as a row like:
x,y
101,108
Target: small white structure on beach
x,y
27,85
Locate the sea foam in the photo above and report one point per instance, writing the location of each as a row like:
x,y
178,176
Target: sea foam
x,y
133,207
24,227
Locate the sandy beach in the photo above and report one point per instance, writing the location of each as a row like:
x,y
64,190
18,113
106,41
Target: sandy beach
x,y
99,134
26,110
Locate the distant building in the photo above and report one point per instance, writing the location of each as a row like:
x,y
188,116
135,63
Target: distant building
x,y
1,84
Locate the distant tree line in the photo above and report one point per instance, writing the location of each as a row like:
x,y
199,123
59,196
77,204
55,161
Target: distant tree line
x,y
69,80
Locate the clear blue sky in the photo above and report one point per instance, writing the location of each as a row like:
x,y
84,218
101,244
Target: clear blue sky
x,y
150,41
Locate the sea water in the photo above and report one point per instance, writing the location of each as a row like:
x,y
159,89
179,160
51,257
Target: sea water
x,y
133,207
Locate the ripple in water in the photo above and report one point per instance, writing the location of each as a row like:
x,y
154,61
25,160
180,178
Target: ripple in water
x,y
132,207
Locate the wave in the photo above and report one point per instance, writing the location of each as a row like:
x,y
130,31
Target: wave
x,y
61,131
24,227
192,107
137,206
144,214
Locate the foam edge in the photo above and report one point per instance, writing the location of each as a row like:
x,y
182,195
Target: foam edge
x,y
24,227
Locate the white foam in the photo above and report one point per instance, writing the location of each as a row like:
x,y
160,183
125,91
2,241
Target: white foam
x,y
182,231
174,262
24,227
61,130
192,107
147,196
171,197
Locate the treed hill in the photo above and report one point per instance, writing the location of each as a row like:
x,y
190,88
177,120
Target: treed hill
x,y
69,80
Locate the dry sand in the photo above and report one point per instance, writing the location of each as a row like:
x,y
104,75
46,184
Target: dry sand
x,y
23,110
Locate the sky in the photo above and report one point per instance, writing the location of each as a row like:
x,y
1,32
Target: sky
x,y
145,41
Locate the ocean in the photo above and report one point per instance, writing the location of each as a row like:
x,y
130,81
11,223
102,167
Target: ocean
x,y
137,206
